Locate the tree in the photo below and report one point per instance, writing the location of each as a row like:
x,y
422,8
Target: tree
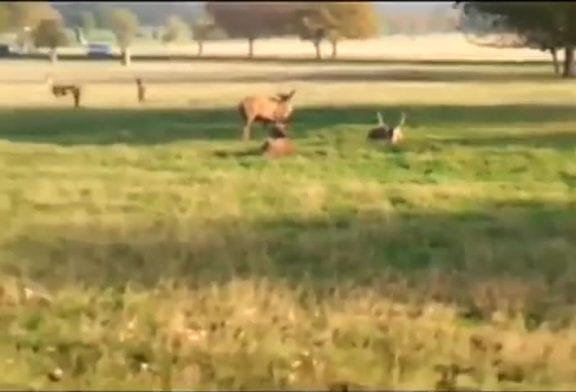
x,y
176,30
83,23
50,34
315,24
30,14
124,25
250,20
544,25
352,20
201,31
87,22
25,17
5,17
334,21
102,14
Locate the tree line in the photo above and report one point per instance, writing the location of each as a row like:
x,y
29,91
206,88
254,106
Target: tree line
x,y
547,26
544,25
41,25
316,22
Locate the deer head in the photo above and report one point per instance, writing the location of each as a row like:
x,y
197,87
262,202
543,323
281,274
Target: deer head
x,y
284,106
396,133
279,130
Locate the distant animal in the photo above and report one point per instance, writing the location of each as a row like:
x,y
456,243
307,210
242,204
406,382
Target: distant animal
x,y
141,90
449,377
384,132
278,144
266,110
61,90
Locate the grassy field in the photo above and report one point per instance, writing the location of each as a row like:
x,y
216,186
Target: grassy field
x,y
145,247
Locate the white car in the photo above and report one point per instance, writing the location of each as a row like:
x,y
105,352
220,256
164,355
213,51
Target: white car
x,y
99,50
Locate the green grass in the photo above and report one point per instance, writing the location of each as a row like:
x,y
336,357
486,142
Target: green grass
x,y
171,256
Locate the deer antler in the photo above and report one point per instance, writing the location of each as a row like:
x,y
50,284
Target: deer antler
x,y
401,122
380,120
286,96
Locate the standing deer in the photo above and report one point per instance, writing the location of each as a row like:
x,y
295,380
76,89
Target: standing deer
x,y
384,132
61,90
265,110
141,90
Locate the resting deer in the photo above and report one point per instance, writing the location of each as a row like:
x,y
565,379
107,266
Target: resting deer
x,y
266,110
141,90
61,90
278,144
384,132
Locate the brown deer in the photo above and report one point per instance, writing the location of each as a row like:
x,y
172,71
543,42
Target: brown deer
x,y
278,144
141,90
265,110
61,90
384,132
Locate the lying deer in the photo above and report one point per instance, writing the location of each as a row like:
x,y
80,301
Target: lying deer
x,y
141,90
265,110
61,90
384,132
278,144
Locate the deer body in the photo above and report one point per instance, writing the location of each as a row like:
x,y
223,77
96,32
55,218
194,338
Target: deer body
x,y
265,110
278,144
384,132
61,90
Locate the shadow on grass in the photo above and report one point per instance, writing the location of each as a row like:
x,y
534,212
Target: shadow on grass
x,y
438,255
452,123
152,77
557,140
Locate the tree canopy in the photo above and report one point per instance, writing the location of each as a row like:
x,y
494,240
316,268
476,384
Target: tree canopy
x,y
50,34
176,30
334,21
5,17
124,24
251,20
543,25
29,14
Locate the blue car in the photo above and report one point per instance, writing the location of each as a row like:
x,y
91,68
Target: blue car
x,y
99,50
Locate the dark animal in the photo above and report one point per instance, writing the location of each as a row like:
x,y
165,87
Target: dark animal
x,y
278,144
384,132
265,110
61,90
141,90
449,377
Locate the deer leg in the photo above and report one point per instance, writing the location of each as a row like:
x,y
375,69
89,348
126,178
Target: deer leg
x,y
247,129
76,99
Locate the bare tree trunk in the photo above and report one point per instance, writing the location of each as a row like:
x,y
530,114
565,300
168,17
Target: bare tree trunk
x,y
555,62
250,47
334,49
568,71
200,48
126,58
53,55
318,49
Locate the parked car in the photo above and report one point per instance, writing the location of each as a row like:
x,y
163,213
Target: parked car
x,y
99,50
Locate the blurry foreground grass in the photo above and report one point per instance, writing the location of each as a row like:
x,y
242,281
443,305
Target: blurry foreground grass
x,y
143,248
